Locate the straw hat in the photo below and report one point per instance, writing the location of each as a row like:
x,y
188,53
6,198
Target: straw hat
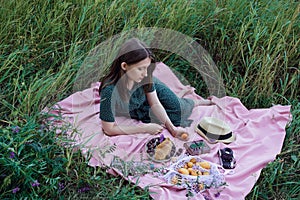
x,y
214,130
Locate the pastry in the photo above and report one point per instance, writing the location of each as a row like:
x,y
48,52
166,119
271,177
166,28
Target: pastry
x,y
163,149
183,171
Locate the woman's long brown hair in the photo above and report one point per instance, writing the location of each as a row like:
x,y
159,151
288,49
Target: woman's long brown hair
x,y
131,52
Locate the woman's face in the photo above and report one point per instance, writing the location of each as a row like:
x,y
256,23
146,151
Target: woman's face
x,y
138,71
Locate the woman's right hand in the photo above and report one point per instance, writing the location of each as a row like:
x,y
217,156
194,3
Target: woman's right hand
x,y
180,133
153,128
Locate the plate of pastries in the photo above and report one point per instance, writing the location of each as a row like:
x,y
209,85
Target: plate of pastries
x,y
160,149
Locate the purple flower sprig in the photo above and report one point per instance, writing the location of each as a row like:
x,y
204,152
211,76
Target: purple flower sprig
x,y
12,155
15,129
15,190
35,183
217,194
84,189
61,186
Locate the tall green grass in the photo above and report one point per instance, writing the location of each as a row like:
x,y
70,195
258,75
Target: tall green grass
x,y
255,45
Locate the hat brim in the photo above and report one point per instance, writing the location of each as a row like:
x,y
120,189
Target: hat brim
x,y
213,141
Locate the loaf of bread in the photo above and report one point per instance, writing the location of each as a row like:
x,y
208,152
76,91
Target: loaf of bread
x,y
163,149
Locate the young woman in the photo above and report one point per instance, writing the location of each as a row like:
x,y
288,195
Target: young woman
x,y
129,89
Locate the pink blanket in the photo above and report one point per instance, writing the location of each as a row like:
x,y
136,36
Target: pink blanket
x,y
259,137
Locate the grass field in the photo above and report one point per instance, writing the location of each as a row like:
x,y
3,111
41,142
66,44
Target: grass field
x,y
255,45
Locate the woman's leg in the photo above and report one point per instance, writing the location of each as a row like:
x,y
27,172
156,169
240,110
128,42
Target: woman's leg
x,y
202,102
186,91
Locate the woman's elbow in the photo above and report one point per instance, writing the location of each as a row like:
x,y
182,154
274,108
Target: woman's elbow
x,y
108,129
108,132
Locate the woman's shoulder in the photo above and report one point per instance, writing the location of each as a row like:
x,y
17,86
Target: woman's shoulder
x,y
109,84
107,88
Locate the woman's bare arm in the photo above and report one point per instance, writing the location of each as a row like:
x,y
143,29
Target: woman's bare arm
x,y
160,112
111,128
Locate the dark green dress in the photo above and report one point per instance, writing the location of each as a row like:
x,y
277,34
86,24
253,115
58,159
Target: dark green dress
x,y
178,109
